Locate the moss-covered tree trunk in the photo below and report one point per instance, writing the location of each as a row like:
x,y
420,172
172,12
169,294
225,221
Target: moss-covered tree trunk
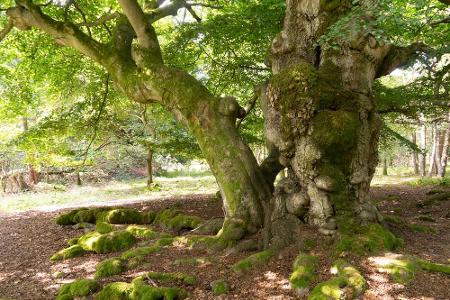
x,y
212,120
320,114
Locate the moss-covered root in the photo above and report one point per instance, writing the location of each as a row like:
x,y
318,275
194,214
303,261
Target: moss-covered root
x,y
105,243
110,267
144,232
72,251
78,288
175,220
112,216
303,270
348,284
220,287
138,290
402,269
103,227
252,261
433,267
373,238
175,277
126,216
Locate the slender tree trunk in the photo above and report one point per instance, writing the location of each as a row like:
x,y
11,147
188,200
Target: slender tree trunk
x,y
149,167
439,147
423,148
385,167
79,182
32,173
435,138
415,156
445,148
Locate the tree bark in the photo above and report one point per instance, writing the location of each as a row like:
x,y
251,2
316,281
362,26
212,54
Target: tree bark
x,y
320,114
435,138
415,156
423,147
149,167
445,148
385,167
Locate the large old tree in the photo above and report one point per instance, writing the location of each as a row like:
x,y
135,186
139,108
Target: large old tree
x,y
321,121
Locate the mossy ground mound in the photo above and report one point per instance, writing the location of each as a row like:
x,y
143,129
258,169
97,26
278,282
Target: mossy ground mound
x,y
303,270
105,243
370,239
137,290
103,227
108,215
145,232
173,219
71,252
220,287
110,267
78,288
348,284
252,261
175,277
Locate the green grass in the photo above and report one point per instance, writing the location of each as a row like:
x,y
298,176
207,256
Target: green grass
x,y
116,191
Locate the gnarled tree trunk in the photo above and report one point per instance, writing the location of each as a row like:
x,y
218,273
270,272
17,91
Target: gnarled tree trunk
x,y
320,114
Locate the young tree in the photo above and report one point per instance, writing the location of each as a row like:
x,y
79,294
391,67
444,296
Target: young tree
x,y
320,115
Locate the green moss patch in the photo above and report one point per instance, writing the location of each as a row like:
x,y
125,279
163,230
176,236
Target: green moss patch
x,y
303,270
103,227
72,241
252,261
348,284
143,232
78,288
128,216
80,215
141,251
175,220
371,239
220,287
137,289
110,267
109,242
71,252
108,215
175,277
402,269
116,291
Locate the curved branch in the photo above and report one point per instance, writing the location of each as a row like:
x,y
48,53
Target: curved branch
x,y
145,32
399,56
27,15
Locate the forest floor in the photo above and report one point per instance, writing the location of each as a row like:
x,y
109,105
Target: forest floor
x,y
28,239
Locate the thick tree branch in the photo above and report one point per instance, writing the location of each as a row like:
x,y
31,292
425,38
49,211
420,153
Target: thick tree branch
x,y
173,8
145,32
399,56
27,15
